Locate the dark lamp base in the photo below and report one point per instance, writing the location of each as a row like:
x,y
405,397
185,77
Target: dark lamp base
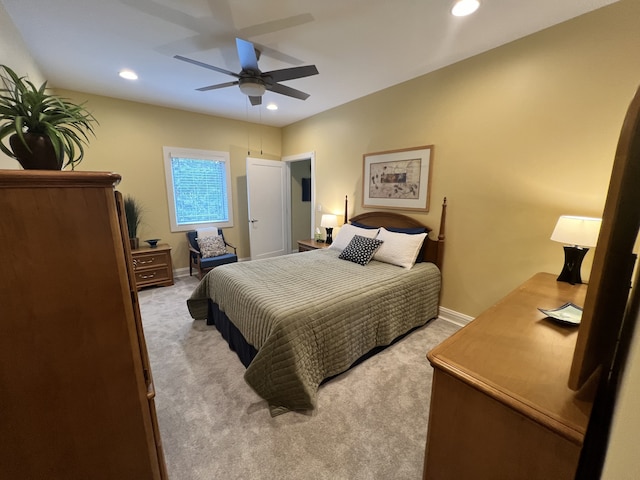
x,y
329,239
573,257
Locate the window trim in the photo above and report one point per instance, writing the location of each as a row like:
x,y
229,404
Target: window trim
x,y
196,154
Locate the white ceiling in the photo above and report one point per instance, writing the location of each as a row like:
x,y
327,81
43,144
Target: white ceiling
x,y
359,46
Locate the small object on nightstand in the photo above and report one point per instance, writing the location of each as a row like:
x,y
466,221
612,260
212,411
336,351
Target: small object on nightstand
x,y
329,222
153,243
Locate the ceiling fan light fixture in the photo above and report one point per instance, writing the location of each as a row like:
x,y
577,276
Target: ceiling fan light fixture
x,y
463,8
252,87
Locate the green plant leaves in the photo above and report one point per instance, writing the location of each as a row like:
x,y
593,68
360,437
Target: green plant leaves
x,y
27,108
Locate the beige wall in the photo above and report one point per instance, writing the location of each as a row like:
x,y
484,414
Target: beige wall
x,y
521,134
129,141
14,54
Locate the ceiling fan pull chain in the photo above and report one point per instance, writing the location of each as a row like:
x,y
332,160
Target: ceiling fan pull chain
x,y
246,105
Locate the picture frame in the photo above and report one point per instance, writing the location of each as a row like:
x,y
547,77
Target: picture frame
x,y
398,179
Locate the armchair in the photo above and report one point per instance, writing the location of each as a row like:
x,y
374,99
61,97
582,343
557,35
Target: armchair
x,y
205,264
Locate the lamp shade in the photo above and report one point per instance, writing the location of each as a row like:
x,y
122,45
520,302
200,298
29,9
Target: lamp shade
x,y
578,231
329,221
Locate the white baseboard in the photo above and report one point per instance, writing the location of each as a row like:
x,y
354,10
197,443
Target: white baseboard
x,y
451,316
181,272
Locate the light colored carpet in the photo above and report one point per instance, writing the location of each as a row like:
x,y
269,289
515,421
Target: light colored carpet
x,y
370,423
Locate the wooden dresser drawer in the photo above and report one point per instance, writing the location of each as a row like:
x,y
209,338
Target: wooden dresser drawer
x,y
153,276
152,266
149,259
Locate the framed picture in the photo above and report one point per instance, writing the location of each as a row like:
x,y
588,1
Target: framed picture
x,y
399,179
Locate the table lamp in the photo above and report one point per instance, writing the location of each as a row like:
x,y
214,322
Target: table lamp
x,y
577,233
329,222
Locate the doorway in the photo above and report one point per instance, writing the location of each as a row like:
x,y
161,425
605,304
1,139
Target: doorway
x,y
280,196
301,197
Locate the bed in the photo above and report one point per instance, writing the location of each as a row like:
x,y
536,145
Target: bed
x,y
299,319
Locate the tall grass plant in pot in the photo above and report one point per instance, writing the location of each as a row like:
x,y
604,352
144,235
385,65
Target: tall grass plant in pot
x,y
133,214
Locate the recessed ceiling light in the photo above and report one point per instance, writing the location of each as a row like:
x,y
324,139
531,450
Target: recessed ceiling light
x,y
464,7
272,106
128,74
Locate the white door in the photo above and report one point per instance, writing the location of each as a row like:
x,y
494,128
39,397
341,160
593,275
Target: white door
x,y
268,212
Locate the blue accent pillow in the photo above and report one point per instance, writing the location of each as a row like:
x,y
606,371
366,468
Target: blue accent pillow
x,y
361,225
360,249
409,230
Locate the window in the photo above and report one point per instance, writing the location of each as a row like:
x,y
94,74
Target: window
x,y
198,188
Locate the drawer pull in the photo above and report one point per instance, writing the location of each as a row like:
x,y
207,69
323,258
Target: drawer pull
x,y
144,262
144,277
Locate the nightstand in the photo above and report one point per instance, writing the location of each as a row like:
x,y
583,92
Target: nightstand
x,y
307,245
152,266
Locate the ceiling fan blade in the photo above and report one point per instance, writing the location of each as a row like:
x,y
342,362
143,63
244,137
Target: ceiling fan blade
x,y
291,73
255,101
276,25
206,65
215,87
288,91
247,55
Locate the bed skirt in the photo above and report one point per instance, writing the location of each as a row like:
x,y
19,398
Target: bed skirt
x,y
231,334
246,352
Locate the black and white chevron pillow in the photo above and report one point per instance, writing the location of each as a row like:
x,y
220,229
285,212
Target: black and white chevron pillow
x,y
360,249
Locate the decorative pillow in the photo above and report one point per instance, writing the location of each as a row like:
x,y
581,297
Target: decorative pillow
x,y
362,225
360,249
409,230
211,246
346,233
399,248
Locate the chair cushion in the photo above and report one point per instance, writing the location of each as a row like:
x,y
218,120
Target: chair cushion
x,y
219,260
211,246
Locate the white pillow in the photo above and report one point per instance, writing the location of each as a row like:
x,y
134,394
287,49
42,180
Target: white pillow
x,y
346,233
399,249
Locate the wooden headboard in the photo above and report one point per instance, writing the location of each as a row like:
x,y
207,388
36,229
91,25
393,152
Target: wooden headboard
x,y
432,250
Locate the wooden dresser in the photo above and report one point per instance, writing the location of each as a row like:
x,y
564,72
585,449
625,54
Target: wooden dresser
x,y
76,391
152,266
500,404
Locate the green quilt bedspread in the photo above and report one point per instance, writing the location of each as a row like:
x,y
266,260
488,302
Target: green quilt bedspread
x,y
311,315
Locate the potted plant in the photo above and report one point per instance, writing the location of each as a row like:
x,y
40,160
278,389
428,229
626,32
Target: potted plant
x,y
42,128
133,214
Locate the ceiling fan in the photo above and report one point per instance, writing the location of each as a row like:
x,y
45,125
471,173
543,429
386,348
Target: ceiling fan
x,y
251,80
